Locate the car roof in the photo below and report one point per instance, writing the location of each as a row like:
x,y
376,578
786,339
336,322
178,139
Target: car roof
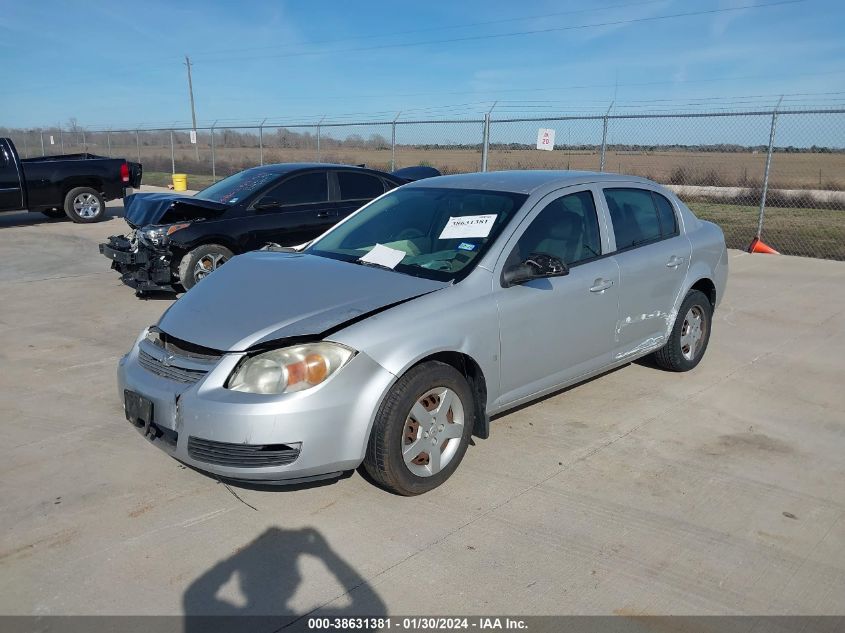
x,y
284,168
525,181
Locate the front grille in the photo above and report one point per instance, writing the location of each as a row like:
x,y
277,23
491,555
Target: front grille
x,y
179,374
241,455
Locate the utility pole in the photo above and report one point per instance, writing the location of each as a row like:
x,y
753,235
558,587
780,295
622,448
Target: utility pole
x,y
193,111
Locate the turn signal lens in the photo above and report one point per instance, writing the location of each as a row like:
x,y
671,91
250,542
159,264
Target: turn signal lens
x,y
175,227
289,369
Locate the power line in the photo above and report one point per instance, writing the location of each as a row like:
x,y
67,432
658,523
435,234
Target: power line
x,y
439,28
473,38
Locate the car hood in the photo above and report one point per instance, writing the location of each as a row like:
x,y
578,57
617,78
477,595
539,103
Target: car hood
x,y
141,209
260,297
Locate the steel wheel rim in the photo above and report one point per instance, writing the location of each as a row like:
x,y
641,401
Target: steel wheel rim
x,y
692,333
86,205
207,264
433,431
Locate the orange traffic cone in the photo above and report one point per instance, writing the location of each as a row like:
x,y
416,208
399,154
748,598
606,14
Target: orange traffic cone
x,y
758,246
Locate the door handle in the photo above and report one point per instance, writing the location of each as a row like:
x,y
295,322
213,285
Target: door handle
x,y
326,214
675,261
600,285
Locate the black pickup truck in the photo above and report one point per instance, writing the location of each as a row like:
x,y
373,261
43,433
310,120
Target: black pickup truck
x,y
76,185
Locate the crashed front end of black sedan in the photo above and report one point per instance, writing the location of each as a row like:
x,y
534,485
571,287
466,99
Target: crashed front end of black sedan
x,y
142,265
146,257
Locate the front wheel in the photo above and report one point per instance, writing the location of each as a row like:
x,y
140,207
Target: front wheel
x,y
422,430
85,205
201,262
689,336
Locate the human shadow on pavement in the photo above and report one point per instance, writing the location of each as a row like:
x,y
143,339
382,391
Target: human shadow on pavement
x,y
268,572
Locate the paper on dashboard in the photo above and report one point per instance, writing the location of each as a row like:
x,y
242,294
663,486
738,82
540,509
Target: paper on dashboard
x,y
384,256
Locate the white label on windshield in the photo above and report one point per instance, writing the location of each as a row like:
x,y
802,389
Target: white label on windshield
x,y
468,226
383,256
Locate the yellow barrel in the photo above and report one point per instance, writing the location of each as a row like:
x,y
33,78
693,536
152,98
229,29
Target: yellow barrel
x,y
180,182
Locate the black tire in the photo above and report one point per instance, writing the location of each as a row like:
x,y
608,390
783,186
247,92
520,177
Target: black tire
x,y
672,355
383,461
89,215
188,275
54,213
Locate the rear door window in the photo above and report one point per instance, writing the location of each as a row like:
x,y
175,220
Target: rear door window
x,y
634,216
355,186
302,189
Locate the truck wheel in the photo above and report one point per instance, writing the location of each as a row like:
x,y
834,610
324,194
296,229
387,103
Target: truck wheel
x,y
85,205
421,430
201,262
54,213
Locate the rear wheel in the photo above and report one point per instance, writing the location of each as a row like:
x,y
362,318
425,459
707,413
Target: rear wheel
x,y
201,262
689,336
85,205
422,430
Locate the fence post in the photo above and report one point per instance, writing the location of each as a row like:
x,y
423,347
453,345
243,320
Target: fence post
x,y
393,142
172,155
213,164
318,137
768,167
485,143
261,143
62,139
84,142
138,144
42,142
604,139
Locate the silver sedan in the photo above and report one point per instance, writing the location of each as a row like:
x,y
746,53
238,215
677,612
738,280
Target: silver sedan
x,y
391,339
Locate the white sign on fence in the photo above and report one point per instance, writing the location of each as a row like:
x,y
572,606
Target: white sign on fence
x,y
546,139
52,142
194,137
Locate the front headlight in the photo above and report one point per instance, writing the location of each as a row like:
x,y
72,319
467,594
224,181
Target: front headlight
x,y
160,235
289,369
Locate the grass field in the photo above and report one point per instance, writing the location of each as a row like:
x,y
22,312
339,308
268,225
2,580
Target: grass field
x,y
789,170
790,230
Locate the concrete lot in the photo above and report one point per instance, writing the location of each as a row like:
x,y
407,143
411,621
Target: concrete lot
x,y
718,491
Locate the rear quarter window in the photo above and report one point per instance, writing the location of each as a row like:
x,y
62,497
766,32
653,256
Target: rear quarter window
x,y
666,214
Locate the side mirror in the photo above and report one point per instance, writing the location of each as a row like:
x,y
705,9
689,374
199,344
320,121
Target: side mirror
x,y
537,266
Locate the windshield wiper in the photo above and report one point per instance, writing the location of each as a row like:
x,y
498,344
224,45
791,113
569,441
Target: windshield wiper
x,y
362,262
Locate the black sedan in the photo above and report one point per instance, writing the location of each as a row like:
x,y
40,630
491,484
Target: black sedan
x,y
176,240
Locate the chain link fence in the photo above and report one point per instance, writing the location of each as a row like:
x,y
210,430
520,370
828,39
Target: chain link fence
x,y
777,175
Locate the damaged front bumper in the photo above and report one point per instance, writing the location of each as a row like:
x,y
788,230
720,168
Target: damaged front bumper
x,y
141,266
190,414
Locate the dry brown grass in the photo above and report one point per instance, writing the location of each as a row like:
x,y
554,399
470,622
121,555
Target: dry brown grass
x,y
789,170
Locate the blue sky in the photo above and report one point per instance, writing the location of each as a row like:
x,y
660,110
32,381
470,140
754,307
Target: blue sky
x,y
112,64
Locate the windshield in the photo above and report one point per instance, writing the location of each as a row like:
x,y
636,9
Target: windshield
x,y
434,233
235,188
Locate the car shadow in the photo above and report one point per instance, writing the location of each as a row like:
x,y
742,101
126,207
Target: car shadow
x,y
254,588
34,218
